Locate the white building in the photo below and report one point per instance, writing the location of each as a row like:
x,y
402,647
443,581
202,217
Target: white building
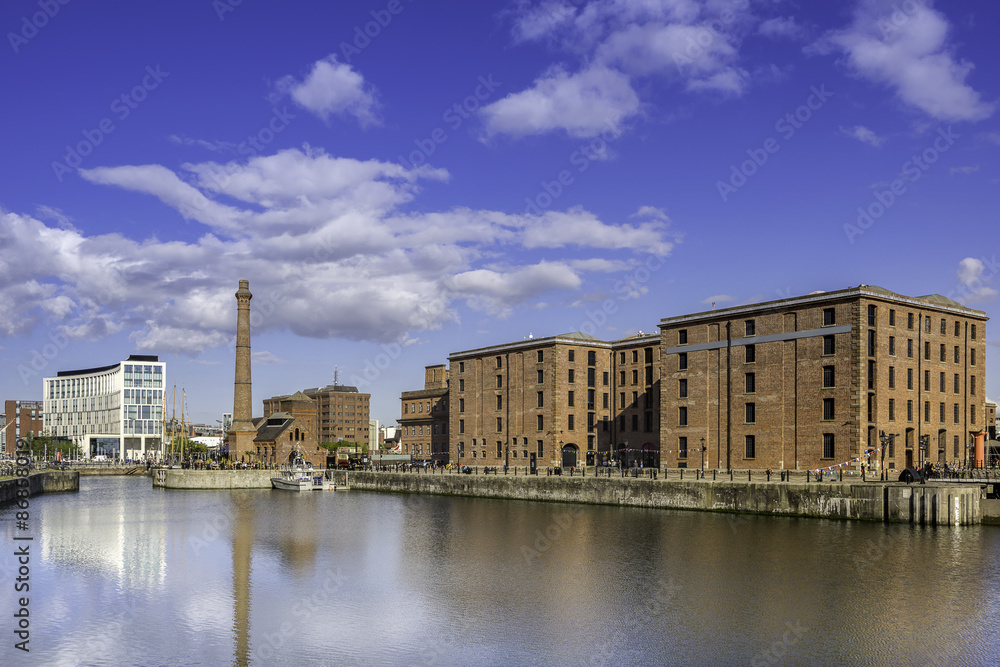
x,y
114,411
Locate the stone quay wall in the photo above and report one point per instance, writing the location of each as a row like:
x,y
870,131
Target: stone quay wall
x,y
926,504
935,503
50,481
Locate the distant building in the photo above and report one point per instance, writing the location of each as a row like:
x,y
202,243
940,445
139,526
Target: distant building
x,y
343,412
390,436
26,419
114,410
424,420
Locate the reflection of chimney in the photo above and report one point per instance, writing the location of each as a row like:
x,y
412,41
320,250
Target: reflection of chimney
x,y
242,431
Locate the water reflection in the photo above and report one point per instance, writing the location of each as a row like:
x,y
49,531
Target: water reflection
x,y
132,575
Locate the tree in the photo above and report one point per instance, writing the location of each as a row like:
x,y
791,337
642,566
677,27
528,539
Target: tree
x,y
49,445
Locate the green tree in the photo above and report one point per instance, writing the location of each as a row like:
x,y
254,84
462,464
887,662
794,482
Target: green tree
x,y
48,445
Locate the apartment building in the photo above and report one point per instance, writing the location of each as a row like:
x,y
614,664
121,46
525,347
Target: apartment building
x,y
20,419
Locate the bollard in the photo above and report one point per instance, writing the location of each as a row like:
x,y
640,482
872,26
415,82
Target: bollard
x,y
730,475
808,474
841,474
749,476
713,475
682,473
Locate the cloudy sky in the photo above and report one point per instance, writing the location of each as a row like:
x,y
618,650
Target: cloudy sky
x,y
402,179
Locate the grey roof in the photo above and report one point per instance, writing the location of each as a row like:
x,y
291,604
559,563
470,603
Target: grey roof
x,y
579,335
270,429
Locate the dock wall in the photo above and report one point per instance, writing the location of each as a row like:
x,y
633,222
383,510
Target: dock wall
x,y
49,481
941,503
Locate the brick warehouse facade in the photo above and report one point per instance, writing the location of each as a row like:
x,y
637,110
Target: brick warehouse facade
x,y
812,382
424,420
567,400
801,383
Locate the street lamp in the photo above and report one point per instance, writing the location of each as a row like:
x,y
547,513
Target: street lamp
x,y
884,440
925,441
703,453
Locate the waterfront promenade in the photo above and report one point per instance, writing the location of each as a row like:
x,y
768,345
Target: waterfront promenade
x,y
938,502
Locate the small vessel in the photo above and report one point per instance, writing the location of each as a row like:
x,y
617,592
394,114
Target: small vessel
x,y
298,477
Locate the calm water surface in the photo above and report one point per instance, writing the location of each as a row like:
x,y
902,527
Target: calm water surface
x,y
125,574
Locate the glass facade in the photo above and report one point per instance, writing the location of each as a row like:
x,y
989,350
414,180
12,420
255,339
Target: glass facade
x,y
111,411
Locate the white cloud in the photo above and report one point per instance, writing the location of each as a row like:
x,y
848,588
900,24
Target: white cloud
x,y
555,229
717,299
333,88
328,244
862,134
781,26
262,357
690,42
584,104
910,52
974,282
970,270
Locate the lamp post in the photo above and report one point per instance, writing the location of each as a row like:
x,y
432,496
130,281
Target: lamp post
x,y
703,453
925,441
884,440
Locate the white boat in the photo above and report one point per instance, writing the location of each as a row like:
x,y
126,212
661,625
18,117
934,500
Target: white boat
x,y
299,477
293,480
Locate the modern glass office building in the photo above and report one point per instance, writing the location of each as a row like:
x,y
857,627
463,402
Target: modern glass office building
x,y
114,411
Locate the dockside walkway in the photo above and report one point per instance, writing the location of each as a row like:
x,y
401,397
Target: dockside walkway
x,y
938,502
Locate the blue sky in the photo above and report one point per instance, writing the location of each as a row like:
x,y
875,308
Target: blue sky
x,y
404,179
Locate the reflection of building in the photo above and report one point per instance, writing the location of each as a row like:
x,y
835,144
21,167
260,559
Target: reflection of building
x,y
114,410
26,419
424,421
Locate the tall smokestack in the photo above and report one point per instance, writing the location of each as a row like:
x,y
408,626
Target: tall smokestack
x,y
242,431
